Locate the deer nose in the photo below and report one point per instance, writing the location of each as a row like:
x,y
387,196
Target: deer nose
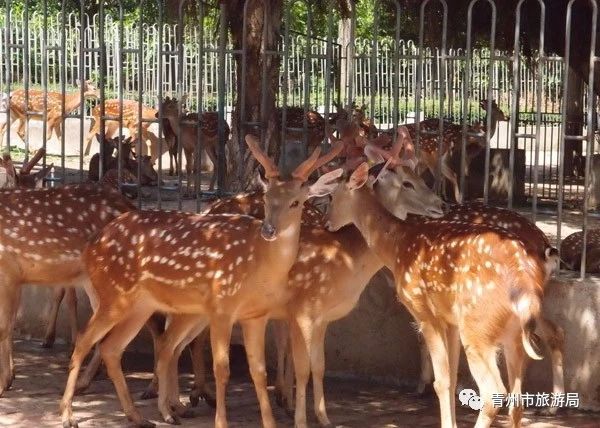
x,y
268,231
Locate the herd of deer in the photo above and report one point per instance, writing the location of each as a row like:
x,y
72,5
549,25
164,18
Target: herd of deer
x,y
474,274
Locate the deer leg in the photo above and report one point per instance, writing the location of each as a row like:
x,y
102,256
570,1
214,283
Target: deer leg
x,y
281,342
301,337
254,341
437,344
94,129
102,321
317,365
554,337
288,391
212,155
72,308
10,297
426,376
155,326
515,365
50,335
111,349
189,168
451,175
200,388
169,347
220,337
453,338
484,368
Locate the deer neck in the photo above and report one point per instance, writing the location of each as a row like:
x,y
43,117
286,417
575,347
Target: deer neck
x,y
72,101
282,252
380,229
493,124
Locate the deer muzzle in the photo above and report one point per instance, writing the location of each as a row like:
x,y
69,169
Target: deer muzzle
x,y
268,231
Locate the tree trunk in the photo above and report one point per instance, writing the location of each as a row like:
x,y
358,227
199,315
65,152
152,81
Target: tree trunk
x,y
345,39
574,110
261,83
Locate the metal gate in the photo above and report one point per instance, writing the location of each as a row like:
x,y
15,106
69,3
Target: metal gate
x,y
136,55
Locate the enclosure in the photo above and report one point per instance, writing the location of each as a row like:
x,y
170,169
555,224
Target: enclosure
x,y
251,62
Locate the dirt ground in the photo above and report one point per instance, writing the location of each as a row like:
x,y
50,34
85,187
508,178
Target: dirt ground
x,y
41,375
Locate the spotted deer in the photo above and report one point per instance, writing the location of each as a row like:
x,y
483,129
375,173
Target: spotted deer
x,y
474,213
201,270
54,116
43,234
130,110
470,283
25,179
186,127
571,251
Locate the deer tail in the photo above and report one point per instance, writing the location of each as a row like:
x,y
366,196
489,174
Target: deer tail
x,y
526,304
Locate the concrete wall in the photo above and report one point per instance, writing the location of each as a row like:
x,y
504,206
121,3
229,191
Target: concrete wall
x,y
377,340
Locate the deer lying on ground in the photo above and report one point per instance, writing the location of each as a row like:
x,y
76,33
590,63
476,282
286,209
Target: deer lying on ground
x,y
24,178
475,284
571,251
54,117
186,126
214,269
59,222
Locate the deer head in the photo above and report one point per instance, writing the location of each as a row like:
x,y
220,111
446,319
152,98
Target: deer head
x,y
89,89
284,197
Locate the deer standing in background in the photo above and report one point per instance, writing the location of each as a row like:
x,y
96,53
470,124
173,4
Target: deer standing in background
x,y
214,269
186,126
484,283
54,116
59,221
130,109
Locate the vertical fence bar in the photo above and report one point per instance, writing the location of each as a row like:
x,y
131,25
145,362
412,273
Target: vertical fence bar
x,y
590,130
222,165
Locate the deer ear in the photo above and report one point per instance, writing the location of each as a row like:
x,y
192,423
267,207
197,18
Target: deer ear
x,y
359,177
372,155
326,184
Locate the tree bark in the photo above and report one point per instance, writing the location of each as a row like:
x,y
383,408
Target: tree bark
x,y
261,83
574,125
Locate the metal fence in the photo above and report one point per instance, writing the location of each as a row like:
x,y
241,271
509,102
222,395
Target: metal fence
x,y
399,81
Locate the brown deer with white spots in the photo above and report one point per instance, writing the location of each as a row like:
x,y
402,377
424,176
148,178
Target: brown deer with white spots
x,y
216,269
186,127
130,110
43,234
475,284
475,213
54,117
429,151
571,251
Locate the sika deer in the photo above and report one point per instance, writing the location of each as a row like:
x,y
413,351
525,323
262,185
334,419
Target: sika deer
x,y
475,283
571,251
64,218
18,109
196,268
186,126
476,213
326,281
130,110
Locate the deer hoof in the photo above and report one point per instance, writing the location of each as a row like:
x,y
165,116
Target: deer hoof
x,y
148,394
71,423
173,420
48,343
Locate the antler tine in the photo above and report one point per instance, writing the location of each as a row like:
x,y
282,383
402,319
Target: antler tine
x,y
303,170
271,169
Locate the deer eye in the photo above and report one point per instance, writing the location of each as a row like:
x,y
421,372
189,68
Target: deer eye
x,y
408,185
294,204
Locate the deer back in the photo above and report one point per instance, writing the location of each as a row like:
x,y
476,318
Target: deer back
x,y
571,251
46,227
